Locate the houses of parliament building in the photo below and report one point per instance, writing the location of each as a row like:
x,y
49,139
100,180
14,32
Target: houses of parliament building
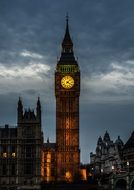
x,y
25,160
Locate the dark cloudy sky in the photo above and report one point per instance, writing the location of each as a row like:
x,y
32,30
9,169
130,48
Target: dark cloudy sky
x,y
31,32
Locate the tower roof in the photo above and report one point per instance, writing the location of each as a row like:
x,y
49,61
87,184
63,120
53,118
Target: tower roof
x,y
99,142
29,115
20,102
130,142
106,137
119,141
67,55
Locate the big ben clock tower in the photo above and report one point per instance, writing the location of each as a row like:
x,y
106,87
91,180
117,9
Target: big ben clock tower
x,y
67,92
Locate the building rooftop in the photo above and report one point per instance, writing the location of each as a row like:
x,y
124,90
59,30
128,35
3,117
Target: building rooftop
x,y
8,131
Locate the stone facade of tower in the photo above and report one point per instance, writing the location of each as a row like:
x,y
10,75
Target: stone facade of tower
x,y
29,148
67,92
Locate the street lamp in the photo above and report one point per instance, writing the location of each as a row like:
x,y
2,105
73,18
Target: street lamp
x,y
128,177
101,170
112,167
128,165
101,177
113,177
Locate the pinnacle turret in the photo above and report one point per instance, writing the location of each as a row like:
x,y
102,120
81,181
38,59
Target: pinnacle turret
x,y
20,109
38,109
20,103
38,104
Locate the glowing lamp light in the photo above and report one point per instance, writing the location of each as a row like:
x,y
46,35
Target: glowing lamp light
x,y
101,170
83,174
4,154
48,167
13,154
127,163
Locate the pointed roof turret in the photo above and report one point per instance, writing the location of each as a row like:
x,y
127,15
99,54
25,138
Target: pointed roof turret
x,y
20,109
119,141
38,109
29,115
130,142
67,55
106,137
20,102
67,44
20,106
38,103
99,142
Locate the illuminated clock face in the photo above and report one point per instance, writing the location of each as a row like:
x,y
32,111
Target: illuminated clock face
x,y
67,82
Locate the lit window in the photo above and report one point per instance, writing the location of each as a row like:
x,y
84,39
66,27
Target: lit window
x,y
13,154
68,176
48,157
4,154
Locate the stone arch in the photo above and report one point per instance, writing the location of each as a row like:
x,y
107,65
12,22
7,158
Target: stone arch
x,y
121,184
132,184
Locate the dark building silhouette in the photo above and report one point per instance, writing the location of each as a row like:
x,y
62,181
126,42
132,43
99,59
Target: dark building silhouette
x,y
128,153
113,162
21,150
8,155
108,156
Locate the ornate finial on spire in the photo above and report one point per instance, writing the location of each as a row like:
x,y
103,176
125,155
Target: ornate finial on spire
x,y
67,17
67,24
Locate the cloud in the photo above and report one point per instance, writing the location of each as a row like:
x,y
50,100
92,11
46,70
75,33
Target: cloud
x,y
27,71
117,83
32,55
18,78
